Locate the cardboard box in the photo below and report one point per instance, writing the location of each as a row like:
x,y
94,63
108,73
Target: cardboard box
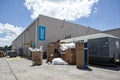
x,y
67,52
69,56
72,59
52,51
63,56
80,55
37,57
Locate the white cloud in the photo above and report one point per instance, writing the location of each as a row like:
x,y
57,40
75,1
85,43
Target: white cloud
x,y
61,9
10,31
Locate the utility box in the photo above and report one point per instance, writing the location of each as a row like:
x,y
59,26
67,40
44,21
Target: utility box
x,y
37,57
104,50
11,53
81,55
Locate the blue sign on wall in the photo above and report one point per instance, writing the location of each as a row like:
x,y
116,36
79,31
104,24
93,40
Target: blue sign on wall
x,y
41,33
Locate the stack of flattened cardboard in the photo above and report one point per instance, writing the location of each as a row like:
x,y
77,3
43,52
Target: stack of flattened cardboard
x,y
37,57
69,56
63,56
80,55
72,58
52,51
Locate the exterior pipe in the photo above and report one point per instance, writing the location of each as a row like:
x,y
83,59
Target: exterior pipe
x,y
36,41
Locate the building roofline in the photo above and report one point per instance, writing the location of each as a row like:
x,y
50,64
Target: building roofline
x,y
111,29
69,22
52,18
90,36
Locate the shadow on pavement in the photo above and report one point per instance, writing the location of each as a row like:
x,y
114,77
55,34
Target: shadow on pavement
x,y
107,66
86,69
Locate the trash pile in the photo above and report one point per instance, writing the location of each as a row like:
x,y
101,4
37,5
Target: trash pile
x,y
61,53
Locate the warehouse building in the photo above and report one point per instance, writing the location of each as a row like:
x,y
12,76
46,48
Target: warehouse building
x,y
44,30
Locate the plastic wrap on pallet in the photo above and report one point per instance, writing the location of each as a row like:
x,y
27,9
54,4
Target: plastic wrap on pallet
x,y
64,47
36,49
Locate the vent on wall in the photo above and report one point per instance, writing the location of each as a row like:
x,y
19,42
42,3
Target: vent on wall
x,y
63,23
88,29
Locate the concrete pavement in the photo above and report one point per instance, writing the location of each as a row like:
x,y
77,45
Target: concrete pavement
x,y
21,69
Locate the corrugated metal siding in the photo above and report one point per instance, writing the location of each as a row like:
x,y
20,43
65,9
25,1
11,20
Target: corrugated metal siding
x,y
114,47
99,47
104,49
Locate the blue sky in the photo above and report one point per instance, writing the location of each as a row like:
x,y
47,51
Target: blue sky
x,y
14,12
107,15
18,14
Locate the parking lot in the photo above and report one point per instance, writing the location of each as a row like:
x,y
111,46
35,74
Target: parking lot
x,y
21,69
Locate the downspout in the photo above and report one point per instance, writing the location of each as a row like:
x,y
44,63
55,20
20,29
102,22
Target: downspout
x,y
36,33
23,40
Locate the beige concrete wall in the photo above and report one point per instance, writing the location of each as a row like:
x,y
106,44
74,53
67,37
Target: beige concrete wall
x,y
18,43
14,45
55,31
29,38
115,32
22,41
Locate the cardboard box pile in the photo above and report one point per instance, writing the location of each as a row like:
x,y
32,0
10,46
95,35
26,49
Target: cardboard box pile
x,y
63,56
52,51
73,56
69,56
